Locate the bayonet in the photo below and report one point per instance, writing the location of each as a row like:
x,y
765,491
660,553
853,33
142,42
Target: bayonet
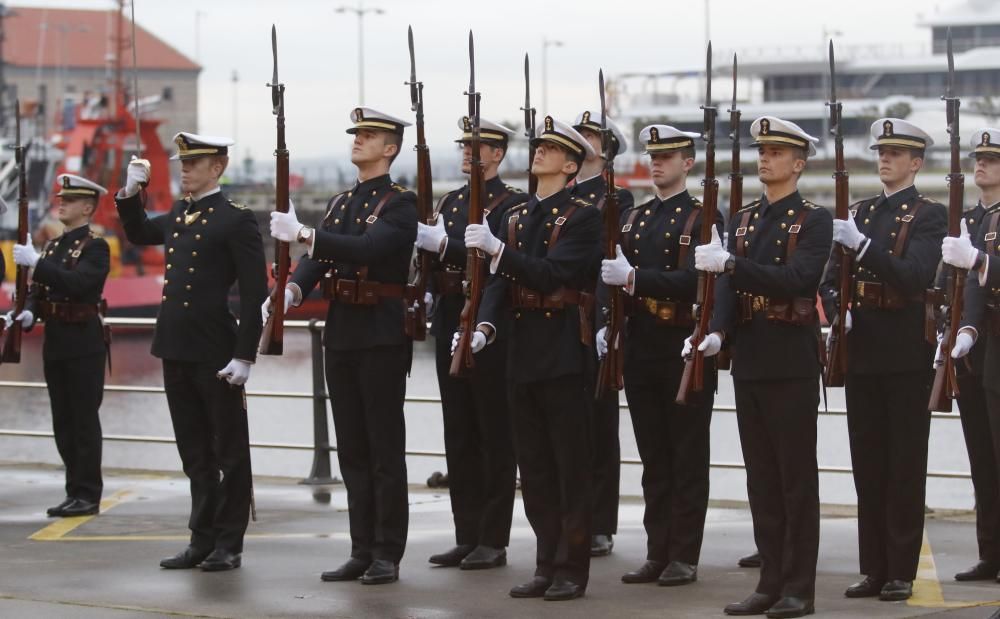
x,y
135,88
414,93
275,85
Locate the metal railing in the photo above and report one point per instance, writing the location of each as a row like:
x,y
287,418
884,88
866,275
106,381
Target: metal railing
x,y
321,472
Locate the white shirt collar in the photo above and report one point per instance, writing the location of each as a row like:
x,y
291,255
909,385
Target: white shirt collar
x,y
210,192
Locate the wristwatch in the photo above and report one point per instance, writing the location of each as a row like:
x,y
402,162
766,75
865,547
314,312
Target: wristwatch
x,y
305,235
730,264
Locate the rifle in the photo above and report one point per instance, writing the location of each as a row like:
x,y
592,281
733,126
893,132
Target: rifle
x,y
945,385
609,374
693,378
417,314
529,127
723,361
461,359
273,336
12,336
836,354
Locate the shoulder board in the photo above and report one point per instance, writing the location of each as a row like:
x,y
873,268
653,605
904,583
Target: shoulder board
x,y
399,187
861,203
922,198
809,205
237,205
750,206
513,189
580,201
696,202
970,209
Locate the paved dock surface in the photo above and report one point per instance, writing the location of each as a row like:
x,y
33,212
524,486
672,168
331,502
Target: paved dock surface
x,y
107,566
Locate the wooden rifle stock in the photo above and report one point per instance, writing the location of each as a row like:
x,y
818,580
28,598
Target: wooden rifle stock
x,y
945,386
11,352
693,377
417,310
272,338
610,373
461,359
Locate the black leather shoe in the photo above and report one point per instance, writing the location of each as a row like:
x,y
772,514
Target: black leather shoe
x,y
869,587
896,590
750,560
380,572
756,604
601,545
80,507
57,510
678,573
535,588
562,590
352,570
484,558
983,570
453,557
648,572
186,559
221,560
791,607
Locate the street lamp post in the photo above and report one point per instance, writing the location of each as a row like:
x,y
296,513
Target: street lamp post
x,y
236,122
546,44
360,11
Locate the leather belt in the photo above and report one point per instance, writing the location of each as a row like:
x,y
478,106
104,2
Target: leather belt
x,y
668,313
68,312
796,311
880,296
449,282
526,298
363,292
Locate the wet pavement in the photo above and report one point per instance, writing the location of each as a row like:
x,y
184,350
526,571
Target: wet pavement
x,y
107,566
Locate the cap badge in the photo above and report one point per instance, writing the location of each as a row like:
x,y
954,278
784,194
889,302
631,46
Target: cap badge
x,y
765,126
887,128
359,114
466,124
986,138
586,117
548,123
654,135
66,184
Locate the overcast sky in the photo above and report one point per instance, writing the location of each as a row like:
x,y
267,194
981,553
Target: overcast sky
x,y
318,53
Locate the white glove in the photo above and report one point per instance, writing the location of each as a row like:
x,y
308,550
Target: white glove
x,y
137,175
712,256
602,341
8,320
478,236
958,251
963,344
25,255
710,345
429,237
27,319
478,341
428,303
285,226
265,309
235,373
615,272
845,232
848,323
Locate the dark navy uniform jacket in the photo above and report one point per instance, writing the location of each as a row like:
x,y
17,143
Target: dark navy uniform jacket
x,y
210,245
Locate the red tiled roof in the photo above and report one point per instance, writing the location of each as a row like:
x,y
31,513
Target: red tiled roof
x,y
82,39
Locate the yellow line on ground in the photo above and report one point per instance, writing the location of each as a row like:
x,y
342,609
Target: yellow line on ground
x,y
927,591
60,528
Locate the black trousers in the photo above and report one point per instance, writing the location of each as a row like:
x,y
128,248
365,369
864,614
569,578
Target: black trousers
x,y
367,389
777,422
978,428
210,423
478,446
552,443
888,424
673,443
76,389
606,453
